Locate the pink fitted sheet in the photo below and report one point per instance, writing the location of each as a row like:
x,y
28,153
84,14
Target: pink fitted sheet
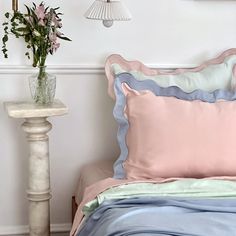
x,y
92,173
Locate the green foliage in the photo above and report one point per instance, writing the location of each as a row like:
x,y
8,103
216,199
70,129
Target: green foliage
x,y
39,28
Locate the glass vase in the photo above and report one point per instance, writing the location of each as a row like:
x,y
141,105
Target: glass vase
x,y
42,86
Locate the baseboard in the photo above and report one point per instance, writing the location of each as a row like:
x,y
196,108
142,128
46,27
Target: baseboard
x,y
24,229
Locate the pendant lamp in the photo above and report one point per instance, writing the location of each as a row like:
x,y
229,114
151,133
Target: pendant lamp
x,y
108,11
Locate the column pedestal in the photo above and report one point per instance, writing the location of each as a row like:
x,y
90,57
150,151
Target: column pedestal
x,y
36,128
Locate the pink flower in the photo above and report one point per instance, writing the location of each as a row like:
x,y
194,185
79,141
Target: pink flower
x,y
55,46
41,22
53,41
53,37
40,12
56,21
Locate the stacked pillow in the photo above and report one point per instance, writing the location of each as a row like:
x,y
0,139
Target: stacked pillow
x,y
218,73
174,125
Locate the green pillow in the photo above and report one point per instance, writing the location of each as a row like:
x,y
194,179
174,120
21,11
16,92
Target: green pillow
x,y
214,74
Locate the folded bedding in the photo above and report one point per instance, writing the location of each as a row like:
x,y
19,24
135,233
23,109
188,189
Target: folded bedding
x,y
198,188
109,190
163,216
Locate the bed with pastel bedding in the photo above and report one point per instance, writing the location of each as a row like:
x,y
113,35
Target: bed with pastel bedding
x,y
176,171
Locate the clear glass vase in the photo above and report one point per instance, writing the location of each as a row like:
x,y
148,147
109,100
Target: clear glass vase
x,y
42,86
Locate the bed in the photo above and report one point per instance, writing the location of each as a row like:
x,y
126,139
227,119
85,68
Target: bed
x,y
176,171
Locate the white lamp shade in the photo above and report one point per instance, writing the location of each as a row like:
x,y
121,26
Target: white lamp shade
x,y
108,11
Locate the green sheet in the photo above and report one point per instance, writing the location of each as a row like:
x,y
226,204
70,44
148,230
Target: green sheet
x,y
197,188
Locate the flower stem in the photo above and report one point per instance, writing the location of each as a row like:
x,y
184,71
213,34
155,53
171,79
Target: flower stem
x,y
41,93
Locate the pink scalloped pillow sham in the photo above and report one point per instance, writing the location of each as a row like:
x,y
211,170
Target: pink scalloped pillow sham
x,y
169,137
217,73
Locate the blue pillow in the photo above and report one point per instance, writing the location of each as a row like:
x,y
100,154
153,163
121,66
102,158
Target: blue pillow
x,y
138,85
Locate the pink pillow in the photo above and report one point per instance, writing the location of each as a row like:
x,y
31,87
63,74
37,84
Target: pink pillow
x,y
168,137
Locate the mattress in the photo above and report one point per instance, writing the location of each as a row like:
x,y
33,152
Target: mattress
x,y
91,173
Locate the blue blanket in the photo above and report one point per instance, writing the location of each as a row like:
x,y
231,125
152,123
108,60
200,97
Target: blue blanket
x,y
162,216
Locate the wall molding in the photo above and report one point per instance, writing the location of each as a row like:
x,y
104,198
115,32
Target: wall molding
x,y
57,69
77,69
24,229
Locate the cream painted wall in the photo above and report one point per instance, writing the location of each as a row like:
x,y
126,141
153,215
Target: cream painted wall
x,y
163,33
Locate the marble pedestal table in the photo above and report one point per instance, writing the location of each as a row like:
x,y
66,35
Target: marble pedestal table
x,y
36,127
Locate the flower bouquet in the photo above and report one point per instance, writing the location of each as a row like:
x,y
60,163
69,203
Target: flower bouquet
x,y
40,28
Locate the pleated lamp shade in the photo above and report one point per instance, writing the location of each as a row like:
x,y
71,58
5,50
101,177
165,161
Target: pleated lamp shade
x,y
108,11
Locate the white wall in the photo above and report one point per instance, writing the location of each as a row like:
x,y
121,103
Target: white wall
x,y
163,33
